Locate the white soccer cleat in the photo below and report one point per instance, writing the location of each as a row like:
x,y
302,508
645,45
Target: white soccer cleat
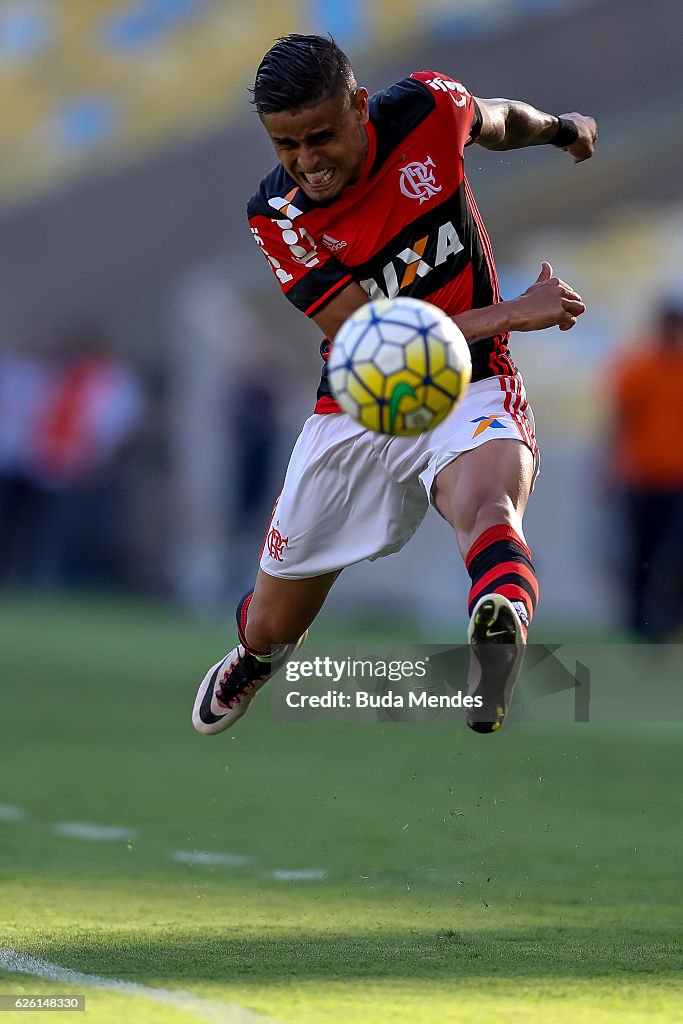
x,y
497,641
229,687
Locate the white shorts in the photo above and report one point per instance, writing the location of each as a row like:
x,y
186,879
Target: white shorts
x,y
351,494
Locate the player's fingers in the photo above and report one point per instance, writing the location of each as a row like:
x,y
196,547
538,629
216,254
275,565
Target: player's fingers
x,y
546,272
568,324
573,306
583,153
568,292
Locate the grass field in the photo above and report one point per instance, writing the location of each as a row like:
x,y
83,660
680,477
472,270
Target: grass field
x,y
320,873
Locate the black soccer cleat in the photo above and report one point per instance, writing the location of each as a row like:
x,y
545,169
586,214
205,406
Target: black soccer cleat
x,y
497,641
228,688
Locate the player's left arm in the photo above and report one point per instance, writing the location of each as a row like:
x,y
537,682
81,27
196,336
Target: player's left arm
x,y
511,124
548,302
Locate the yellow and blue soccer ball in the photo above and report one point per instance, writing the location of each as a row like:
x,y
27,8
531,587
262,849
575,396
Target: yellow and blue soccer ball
x,y
398,366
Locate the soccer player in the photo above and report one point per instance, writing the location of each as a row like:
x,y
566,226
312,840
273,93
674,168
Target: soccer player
x,y
370,199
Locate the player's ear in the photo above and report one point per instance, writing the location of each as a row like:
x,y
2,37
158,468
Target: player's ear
x,y
359,100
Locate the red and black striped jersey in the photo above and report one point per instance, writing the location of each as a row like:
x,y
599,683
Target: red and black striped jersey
x,y
409,225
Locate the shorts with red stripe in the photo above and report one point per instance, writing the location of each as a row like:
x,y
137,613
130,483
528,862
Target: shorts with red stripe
x,y
351,494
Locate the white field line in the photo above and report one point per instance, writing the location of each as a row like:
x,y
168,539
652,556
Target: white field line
x,y
94,833
305,875
200,857
237,860
115,834
8,812
205,1009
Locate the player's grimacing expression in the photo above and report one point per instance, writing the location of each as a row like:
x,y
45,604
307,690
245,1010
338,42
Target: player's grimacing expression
x,y
323,147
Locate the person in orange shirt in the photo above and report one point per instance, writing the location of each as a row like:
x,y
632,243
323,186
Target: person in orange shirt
x,y
648,462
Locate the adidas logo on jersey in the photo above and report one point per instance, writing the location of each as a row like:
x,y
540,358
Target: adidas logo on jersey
x,y
332,244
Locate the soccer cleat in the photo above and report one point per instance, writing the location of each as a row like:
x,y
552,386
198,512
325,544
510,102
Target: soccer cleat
x,y
229,687
497,641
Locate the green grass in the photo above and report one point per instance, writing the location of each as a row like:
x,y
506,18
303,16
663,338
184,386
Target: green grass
x,y
530,876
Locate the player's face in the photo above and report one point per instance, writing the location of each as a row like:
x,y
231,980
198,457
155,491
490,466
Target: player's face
x,y
322,147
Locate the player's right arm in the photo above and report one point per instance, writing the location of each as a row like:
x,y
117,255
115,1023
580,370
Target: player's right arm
x,y
511,124
548,302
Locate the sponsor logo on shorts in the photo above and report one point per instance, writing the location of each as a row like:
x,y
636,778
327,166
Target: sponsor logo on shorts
x,y
276,544
484,422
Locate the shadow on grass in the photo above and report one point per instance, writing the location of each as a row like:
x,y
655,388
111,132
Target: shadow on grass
x,y
577,953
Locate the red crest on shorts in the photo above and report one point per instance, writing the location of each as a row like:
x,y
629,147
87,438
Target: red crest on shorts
x,y
276,543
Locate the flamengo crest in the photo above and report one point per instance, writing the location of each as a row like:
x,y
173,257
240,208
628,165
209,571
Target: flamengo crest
x,y
276,544
417,180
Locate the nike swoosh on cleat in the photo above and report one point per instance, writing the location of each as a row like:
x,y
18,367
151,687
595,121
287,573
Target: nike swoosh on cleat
x,y
205,713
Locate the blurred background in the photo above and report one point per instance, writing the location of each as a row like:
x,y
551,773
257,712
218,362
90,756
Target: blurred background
x,y
136,314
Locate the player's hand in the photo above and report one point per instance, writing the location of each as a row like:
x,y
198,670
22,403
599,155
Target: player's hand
x,y
548,302
584,147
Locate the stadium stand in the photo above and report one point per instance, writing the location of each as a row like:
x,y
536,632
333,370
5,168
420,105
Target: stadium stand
x,y
84,85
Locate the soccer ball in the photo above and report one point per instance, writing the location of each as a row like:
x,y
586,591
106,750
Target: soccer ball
x,y
398,366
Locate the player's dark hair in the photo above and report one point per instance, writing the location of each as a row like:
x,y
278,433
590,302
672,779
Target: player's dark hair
x,y
300,71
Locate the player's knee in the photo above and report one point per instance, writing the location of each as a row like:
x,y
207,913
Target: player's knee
x,y
494,511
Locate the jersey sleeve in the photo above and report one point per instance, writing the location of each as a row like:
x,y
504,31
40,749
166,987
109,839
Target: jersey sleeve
x,y
455,104
309,277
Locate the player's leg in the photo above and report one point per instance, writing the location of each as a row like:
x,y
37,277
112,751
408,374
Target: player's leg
x,y
485,487
272,622
338,506
279,611
483,494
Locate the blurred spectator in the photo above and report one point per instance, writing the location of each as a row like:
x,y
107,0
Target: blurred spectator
x,y
253,421
66,423
647,386
24,384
